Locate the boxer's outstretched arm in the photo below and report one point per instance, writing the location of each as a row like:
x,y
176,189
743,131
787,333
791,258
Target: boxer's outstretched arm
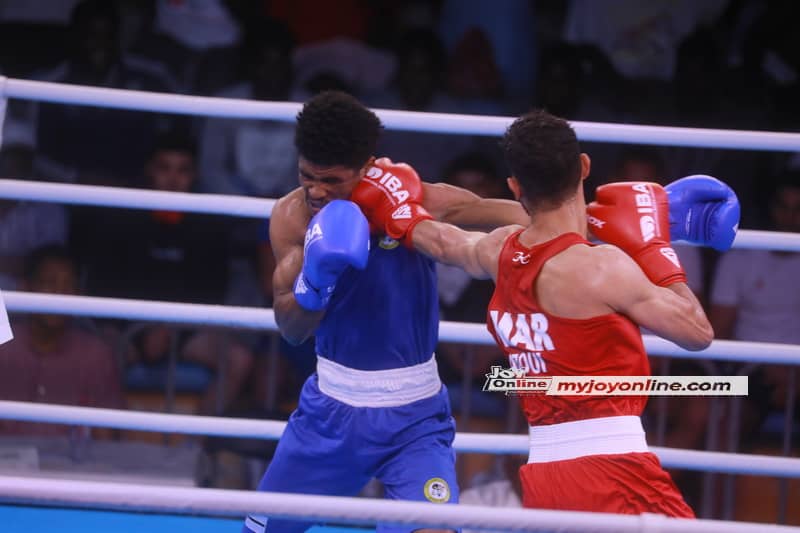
x,y
286,232
466,209
671,312
475,252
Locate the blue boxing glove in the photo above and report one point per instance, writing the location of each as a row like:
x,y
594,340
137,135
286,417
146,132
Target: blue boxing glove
x,y
337,238
703,210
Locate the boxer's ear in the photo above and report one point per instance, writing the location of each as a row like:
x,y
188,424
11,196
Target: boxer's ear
x,y
586,166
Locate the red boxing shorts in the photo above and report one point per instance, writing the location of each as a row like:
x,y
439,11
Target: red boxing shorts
x,y
627,483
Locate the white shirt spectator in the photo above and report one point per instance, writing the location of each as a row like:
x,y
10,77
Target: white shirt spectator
x,y
5,328
248,157
364,68
640,38
197,24
763,286
494,494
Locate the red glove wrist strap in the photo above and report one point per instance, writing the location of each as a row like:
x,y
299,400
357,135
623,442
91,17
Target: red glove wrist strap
x,y
660,263
402,221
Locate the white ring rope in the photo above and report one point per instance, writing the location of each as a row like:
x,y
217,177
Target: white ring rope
x,y
264,319
64,193
245,206
400,120
219,502
493,443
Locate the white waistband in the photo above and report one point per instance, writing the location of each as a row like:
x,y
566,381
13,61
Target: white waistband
x,y
378,388
595,436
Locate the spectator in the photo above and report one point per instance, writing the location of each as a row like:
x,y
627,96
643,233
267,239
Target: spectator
x,y
509,31
254,157
699,73
147,47
161,255
641,163
24,226
503,492
463,367
756,297
419,85
197,25
92,144
580,84
464,299
639,37
52,359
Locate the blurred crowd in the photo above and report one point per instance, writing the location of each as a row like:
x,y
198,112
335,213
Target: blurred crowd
x,y
731,64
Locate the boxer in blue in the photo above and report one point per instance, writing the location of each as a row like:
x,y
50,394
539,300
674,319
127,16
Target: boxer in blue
x,y
376,406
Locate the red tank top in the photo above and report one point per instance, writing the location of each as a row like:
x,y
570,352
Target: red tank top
x,y
549,345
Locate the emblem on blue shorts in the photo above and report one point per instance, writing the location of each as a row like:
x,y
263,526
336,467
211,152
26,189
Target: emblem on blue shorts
x,y
437,490
387,243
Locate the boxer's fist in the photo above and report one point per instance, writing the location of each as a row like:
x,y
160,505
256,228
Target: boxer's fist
x,y
390,195
703,210
635,217
337,237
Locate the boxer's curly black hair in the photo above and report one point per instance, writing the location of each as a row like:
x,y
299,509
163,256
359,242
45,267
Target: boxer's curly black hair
x,y
335,129
542,152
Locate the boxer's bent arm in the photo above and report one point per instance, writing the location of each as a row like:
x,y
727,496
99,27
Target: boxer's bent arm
x,y
286,232
466,209
672,312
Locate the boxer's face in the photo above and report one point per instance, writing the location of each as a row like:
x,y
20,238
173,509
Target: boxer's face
x,y
321,184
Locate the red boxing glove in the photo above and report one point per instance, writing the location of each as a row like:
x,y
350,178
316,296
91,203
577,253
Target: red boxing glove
x,y
390,195
635,217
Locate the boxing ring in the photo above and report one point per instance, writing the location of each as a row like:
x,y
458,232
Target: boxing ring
x,y
52,495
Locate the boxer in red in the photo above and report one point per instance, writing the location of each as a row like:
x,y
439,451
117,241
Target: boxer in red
x,y
563,306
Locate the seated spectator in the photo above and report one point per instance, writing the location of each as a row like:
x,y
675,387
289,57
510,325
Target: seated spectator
x,y
419,85
464,299
504,490
755,297
254,157
96,144
52,359
643,163
24,226
162,255
147,47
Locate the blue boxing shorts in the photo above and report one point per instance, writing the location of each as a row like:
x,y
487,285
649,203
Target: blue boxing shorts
x,y
332,448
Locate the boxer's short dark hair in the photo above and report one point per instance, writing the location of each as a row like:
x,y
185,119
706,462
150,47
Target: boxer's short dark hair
x,y
542,152
335,129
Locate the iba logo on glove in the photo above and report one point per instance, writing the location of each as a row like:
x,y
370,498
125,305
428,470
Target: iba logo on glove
x,y
644,203
314,233
391,182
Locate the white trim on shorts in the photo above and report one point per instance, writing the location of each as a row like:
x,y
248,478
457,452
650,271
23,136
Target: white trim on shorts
x,y
378,388
595,436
